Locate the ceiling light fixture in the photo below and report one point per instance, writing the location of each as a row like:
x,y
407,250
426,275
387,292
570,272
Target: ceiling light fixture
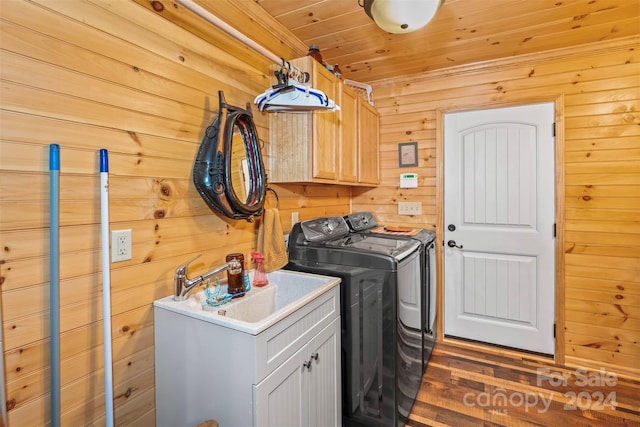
x,y
400,16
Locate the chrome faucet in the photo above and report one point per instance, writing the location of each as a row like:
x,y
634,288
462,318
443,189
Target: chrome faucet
x,y
182,285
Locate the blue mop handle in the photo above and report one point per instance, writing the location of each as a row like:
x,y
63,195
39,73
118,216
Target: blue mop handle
x,y
54,281
54,157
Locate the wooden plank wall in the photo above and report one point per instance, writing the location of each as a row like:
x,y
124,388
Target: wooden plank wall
x,y
115,75
600,87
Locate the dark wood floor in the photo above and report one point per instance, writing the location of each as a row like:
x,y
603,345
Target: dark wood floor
x,y
465,387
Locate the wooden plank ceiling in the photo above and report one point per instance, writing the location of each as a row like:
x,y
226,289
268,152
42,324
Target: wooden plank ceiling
x,y
462,32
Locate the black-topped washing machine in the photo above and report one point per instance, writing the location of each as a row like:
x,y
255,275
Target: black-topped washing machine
x,y
381,340
365,223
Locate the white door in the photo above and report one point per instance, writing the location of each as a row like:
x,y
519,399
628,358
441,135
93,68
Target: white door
x,y
499,210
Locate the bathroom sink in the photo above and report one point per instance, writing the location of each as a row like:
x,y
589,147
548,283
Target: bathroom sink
x,y
260,308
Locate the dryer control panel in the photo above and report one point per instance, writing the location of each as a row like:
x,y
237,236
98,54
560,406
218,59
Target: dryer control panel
x,y
361,221
321,229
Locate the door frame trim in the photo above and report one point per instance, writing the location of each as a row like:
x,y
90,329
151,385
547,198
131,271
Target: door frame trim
x,y
558,101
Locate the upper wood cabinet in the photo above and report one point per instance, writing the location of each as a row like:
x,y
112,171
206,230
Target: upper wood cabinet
x,y
369,143
348,143
304,146
324,124
325,146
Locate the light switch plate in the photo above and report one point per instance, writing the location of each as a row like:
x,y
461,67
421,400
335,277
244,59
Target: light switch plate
x,y
409,208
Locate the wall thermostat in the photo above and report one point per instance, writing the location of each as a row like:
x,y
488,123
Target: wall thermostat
x,y
408,180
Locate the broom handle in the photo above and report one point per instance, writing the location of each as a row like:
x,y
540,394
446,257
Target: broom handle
x,y
106,285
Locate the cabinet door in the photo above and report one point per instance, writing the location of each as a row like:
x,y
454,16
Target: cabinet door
x,y
369,144
281,399
306,389
348,135
325,140
325,387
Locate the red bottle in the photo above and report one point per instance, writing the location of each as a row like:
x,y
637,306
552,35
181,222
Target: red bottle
x,y
259,275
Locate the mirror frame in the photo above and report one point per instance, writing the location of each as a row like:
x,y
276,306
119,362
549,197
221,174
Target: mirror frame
x,y
212,169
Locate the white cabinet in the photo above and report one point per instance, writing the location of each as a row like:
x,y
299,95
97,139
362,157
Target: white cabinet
x,y
305,390
208,371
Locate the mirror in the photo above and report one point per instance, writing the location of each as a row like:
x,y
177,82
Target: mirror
x,y
244,176
240,179
228,171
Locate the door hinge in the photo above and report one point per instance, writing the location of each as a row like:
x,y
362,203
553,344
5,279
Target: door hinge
x,y
554,230
553,129
554,330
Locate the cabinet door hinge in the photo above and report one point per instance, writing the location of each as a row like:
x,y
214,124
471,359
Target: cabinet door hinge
x,y
554,330
553,129
554,230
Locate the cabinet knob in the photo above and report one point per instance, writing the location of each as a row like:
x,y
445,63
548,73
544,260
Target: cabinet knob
x,y
307,365
314,356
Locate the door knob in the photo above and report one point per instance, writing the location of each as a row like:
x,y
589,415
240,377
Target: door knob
x,y
452,244
451,227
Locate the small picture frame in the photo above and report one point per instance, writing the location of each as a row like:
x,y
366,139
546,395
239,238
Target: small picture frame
x,y
407,154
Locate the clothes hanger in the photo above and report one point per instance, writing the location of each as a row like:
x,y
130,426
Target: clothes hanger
x,y
290,94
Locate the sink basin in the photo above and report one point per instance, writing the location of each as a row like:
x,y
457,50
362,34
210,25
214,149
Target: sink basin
x,y
260,308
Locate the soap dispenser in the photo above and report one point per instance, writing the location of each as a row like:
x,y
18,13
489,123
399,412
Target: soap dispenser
x,y
259,275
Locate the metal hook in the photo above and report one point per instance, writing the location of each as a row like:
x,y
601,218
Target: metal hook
x,y
275,194
300,76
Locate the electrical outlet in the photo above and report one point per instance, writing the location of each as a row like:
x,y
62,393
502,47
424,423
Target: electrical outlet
x,y
120,245
294,217
409,208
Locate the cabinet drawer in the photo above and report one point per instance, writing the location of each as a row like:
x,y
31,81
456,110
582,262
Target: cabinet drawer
x,y
275,345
